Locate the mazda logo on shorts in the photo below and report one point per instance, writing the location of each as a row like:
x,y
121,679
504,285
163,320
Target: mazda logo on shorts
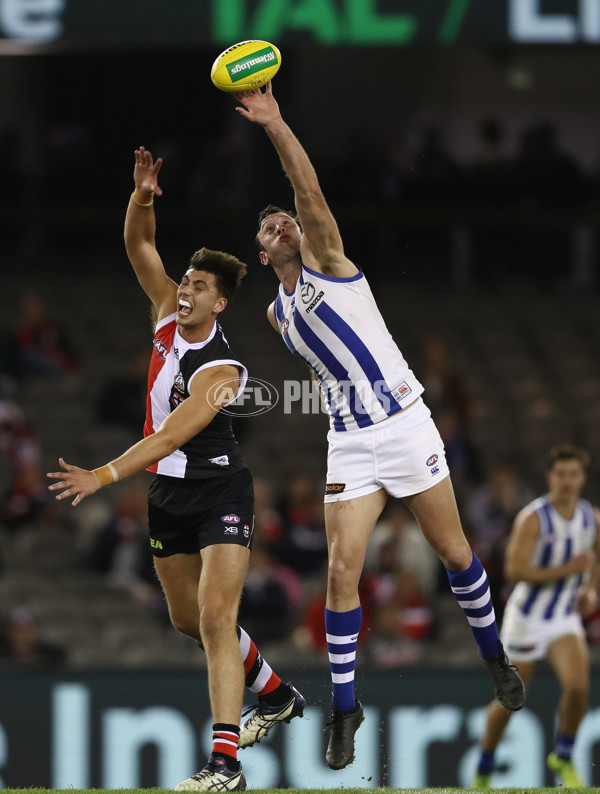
x,y
308,292
258,397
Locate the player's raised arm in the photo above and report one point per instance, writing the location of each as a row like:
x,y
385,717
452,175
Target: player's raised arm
x,y
211,389
322,247
140,231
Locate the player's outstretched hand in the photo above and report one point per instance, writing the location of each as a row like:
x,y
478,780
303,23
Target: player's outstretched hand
x,y
258,106
145,173
76,482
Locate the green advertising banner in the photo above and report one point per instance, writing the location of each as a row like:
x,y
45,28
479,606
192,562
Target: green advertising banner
x,y
153,729
114,23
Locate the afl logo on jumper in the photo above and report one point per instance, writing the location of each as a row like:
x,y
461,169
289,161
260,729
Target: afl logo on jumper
x,y
284,327
161,348
230,518
308,292
432,460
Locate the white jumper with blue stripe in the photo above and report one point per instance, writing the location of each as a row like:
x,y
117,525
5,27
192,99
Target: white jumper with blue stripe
x,y
334,325
558,540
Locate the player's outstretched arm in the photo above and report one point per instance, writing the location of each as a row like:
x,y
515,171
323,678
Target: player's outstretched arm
x,y
140,231
211,390
322,247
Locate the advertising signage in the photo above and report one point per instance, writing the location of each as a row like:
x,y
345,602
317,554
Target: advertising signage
x,y
127,23
132,730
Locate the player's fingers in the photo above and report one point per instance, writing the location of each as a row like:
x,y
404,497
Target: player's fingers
x,y
269,88
55,486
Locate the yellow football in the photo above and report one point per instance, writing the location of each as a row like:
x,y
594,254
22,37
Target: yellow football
x,y
246,65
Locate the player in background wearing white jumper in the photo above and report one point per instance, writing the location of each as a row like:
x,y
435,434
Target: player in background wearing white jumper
x,y
382,439
553,557
201,500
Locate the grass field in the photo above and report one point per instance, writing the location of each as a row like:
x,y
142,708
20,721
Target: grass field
x,y
316,791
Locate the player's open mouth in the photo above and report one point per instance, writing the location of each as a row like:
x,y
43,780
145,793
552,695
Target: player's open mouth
x,y
185,308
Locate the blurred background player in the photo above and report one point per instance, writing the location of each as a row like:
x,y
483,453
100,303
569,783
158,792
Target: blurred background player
x,y
201,500
382,438
553,555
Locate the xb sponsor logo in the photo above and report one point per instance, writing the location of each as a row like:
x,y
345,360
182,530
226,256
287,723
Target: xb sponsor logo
x,y
231,530
258,397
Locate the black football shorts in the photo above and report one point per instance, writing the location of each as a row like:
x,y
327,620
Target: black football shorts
x,y
185,516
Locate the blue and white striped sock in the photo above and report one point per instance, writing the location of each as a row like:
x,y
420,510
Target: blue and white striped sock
x,y
342,629
472,591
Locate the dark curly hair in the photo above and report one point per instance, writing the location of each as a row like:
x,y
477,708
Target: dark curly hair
x,y
227,269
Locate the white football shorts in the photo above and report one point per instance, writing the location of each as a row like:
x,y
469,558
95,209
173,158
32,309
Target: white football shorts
x,y
527,639
403,454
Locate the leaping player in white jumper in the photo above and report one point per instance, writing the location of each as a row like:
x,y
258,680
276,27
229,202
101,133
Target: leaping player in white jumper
x,y
382,438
